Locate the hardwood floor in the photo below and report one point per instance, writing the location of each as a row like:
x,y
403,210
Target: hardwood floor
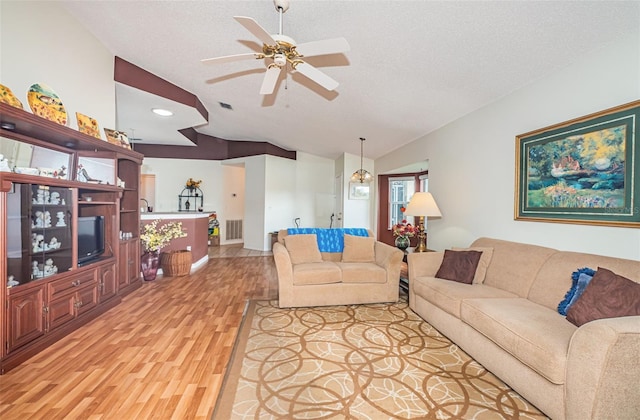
x,y
160,354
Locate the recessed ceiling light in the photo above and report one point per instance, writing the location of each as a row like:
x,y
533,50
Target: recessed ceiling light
x,y
162,112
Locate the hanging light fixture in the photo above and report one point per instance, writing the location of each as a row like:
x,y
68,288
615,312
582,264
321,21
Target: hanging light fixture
x,y
361,175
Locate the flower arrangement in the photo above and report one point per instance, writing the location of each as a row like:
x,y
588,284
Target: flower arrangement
x,y
191,184
404,229
154,238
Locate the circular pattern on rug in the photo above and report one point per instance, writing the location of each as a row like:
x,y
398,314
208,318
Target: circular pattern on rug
x,y
363,362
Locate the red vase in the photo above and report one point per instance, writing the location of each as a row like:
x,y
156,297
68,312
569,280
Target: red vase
x,y
150,261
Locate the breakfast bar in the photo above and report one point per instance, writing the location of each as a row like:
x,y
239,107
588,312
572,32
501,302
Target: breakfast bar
x,y
196,227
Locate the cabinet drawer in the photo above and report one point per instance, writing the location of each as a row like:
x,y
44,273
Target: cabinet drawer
x,y
62,286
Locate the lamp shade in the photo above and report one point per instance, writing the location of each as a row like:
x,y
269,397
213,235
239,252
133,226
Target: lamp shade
x,y
422,204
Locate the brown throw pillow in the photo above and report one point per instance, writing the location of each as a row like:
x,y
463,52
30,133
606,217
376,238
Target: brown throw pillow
x,y
608,295
485,259
459,266
358,249
303,248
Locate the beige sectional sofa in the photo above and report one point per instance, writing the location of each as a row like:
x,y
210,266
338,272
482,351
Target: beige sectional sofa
x,y
510,324
367,271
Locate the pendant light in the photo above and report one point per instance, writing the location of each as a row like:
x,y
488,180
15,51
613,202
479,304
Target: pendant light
x,y
361,175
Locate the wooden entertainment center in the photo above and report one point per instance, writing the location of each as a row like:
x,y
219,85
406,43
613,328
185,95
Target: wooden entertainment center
x,y
63,176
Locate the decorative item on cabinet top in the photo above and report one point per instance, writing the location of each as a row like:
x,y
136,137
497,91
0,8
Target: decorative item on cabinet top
x,y
88,125
118,138
7,97
45,103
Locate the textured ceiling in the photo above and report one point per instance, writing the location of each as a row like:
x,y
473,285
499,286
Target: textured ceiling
x,y
413,67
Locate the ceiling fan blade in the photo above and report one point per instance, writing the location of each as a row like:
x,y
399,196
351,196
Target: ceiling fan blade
x,y
270,79
230,58
316,75
257,30
327,46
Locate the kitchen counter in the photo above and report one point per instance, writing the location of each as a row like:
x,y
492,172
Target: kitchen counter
x,y
196,226
174,215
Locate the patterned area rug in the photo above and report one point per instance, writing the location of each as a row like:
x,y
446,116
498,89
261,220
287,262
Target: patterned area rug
x,y
378,361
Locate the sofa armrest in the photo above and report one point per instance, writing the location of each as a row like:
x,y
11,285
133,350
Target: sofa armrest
x,y
284,267
603,370
389,258
424,264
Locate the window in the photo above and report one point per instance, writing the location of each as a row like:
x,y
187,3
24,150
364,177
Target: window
x,y
400,192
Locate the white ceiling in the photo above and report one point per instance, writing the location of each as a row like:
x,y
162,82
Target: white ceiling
x,y
413,67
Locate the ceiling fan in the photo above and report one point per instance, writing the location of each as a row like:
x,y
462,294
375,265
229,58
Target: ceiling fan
x,y
281,49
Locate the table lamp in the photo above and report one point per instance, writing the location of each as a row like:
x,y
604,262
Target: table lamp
x,y
423,205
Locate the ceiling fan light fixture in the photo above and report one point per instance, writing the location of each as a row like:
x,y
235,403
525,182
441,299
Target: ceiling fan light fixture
x,y
362,176
162,112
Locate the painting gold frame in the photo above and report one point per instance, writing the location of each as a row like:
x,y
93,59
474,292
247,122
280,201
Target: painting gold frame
x,y
582,171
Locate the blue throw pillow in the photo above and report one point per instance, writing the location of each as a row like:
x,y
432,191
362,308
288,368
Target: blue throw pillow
x,y
577,287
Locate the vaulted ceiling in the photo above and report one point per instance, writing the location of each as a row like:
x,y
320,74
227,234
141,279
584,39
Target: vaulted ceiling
x,y
413,66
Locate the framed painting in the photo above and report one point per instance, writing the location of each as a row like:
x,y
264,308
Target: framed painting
x,y
358,191
583,171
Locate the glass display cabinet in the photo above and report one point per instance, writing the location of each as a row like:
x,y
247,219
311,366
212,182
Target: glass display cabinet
x,y
39,236
66,201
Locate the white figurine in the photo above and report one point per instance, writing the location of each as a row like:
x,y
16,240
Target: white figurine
x,y
49,268
38,243
35,271
11,281
54,244
39,222
39,199
47,219
4,164
60,216
54,198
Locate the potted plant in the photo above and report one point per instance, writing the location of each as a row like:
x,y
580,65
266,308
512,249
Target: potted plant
x,y
154,236
403,231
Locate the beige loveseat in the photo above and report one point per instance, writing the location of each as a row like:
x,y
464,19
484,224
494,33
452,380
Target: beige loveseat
x,y
367,271
510,324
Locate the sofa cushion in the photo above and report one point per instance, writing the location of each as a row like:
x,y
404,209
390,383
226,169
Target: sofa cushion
x,y
459,266
536,335
554,277
448,295
303,249
608,295
483,264
514,267
579,278
362,273
358,249
316,273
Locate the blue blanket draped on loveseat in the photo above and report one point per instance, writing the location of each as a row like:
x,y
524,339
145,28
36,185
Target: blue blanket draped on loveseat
x,y
329,240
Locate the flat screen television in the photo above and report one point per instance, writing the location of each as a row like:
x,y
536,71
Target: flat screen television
x,y
90,238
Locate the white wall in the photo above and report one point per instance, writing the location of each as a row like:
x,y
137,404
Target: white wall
x,y
255,231
472,160
53,48
172,175
357,213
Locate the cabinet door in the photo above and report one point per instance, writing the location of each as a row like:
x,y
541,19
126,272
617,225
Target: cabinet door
x,y
123,265
133,261
129,266
26,321
61,310
108,285
86,299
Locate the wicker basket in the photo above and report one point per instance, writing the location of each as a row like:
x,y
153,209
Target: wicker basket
x,y
176,263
